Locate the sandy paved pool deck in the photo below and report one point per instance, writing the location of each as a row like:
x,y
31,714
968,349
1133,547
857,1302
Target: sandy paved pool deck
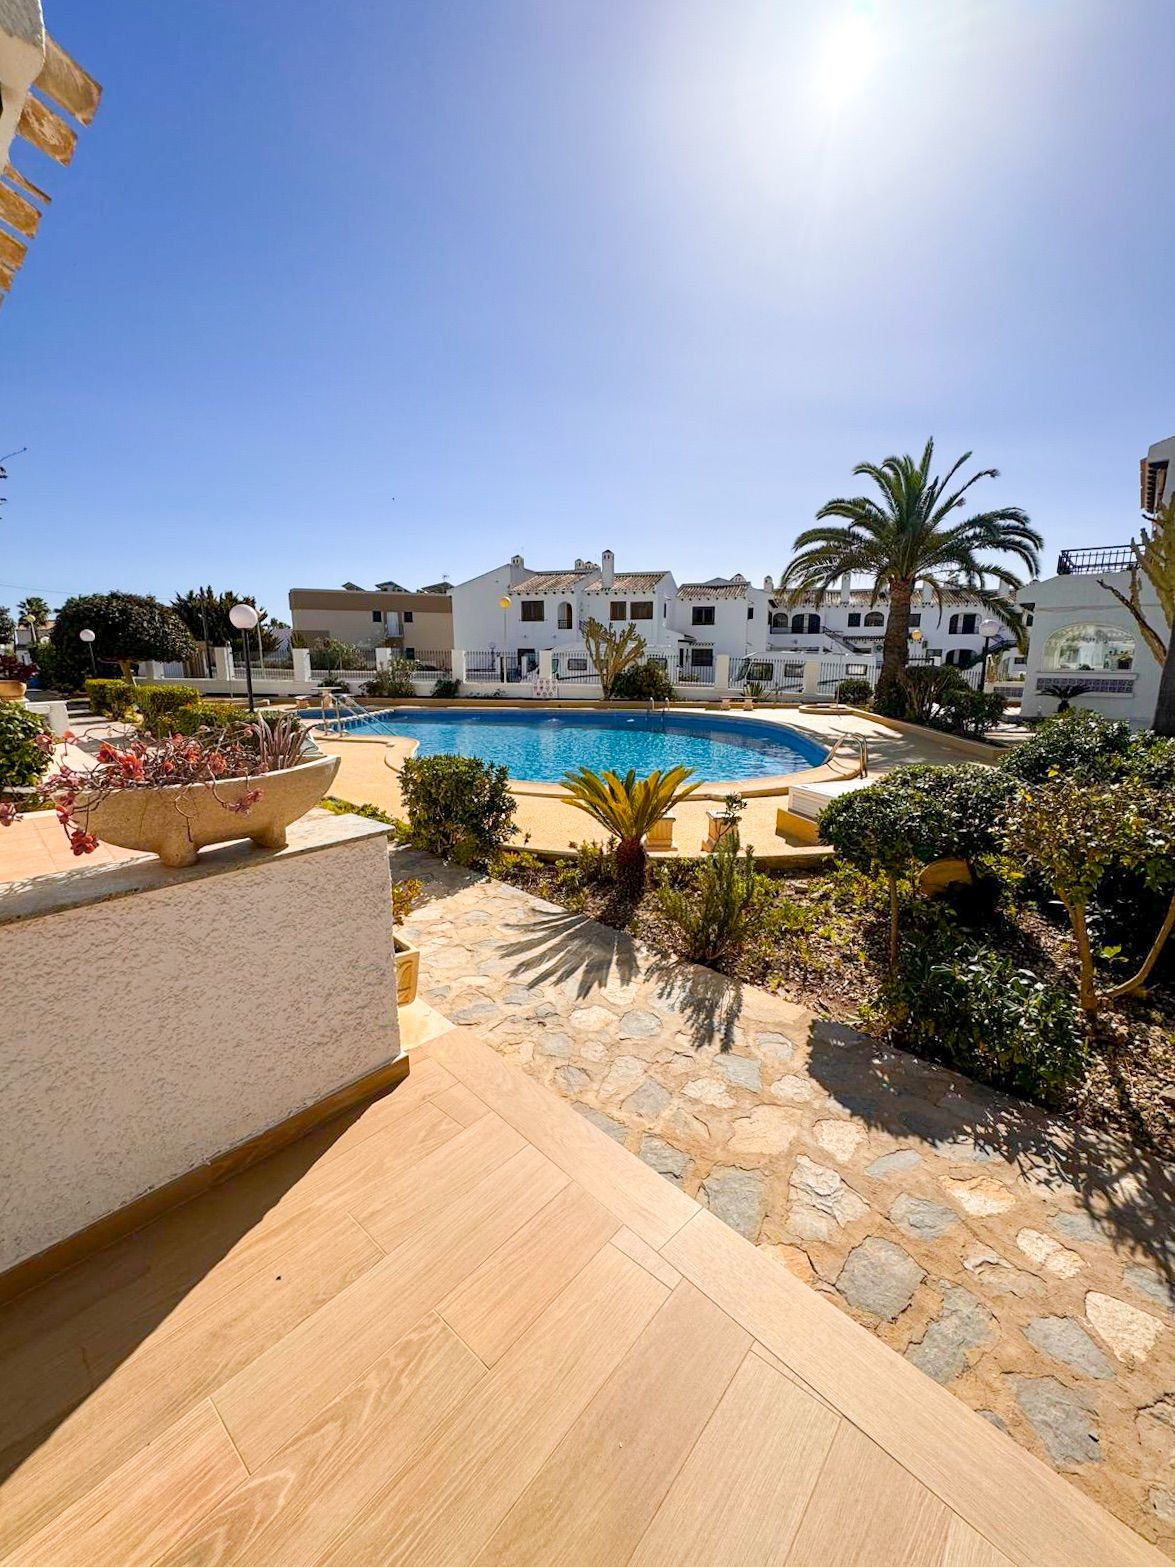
x,y
369,775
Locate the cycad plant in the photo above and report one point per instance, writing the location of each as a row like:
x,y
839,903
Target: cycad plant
x,y
628,808
910,535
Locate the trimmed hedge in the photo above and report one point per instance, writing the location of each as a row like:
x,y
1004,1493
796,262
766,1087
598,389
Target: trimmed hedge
x,y
23,761
109,698
159,704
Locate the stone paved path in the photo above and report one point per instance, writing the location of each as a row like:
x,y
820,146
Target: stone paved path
x,y
1025,1267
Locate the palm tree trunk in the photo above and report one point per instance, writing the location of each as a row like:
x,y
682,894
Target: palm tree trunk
x,y
894,647
1165,706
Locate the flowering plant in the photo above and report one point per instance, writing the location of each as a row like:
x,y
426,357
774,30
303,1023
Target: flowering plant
x,y
202,760
13,668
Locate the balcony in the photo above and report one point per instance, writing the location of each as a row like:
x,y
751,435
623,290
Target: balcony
x,y
1078,563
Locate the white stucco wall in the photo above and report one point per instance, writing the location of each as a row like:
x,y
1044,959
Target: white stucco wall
x,y
1075,599
154,1019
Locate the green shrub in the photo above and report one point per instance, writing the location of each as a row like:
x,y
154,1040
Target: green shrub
x,y
337,655
56,672
711,914
394,681
1074,833
220,715
24,757
446,686
459,807
642,682
159,704
1080,744
854,692
915,815
110,698
955,1001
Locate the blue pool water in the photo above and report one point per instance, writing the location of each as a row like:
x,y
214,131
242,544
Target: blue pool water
x,y
542,746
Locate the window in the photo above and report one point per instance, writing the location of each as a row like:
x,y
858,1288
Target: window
x,y
703,615
377,616
533,609
915,620
962,625
855,617
564,617
410,652
875,618
750,612
577,666
408,617
779,621
642,609
618,610
805,625
701,657
1088,646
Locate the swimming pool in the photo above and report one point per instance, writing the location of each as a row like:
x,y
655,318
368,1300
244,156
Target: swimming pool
x,y
542,746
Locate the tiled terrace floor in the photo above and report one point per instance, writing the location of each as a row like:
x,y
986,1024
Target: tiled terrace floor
x,y
1026,1269
463,1326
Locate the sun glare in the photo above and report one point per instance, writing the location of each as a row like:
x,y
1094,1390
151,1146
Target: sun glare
x,y
847,58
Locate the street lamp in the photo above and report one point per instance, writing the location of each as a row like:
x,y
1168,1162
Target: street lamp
x,y
987,629
245,617
87,636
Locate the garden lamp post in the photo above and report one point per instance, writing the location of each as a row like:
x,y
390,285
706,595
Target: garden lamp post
x,y
245,617
87,636
987,629
504,606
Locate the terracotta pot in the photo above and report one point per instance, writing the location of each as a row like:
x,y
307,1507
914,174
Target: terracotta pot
x,y
178,820
12,690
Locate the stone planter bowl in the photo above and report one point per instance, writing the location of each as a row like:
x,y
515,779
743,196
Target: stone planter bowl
x,y
178,820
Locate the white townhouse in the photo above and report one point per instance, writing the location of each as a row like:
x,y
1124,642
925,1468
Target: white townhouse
x,y
516,613
1085,645
847,621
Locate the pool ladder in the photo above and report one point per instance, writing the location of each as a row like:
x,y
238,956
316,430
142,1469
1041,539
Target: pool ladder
x,y
862,744
344,707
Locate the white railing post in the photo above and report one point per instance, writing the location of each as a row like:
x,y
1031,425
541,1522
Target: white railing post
x,y
546,663
222,658
152,669
459,664
301,665
722,666
812,677
383,658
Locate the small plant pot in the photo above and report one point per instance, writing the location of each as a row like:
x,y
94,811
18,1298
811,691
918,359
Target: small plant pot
x,y
12,690
178,820
407,971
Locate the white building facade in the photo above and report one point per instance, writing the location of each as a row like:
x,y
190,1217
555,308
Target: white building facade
x,y
1085,645
723,632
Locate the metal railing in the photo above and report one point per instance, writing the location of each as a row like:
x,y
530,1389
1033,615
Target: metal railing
x,y
575,666
1091,683
324,661
777,672
425,663
1071,563
499,669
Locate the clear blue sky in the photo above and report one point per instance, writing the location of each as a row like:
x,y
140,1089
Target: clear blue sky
x,y
390,290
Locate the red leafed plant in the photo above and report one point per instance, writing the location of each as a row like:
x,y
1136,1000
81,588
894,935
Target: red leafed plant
x,y
202,760
13,668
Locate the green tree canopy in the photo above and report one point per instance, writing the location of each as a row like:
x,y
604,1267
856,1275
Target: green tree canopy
x,y
128,627
205,612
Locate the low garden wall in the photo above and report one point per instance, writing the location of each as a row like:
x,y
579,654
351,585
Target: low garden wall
x,y
155,1020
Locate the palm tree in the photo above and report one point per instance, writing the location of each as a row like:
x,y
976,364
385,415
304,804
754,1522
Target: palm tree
x,y
908,538
628,808
34,612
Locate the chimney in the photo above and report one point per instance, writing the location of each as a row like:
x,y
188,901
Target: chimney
x,y
846,589
607,569
768,585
